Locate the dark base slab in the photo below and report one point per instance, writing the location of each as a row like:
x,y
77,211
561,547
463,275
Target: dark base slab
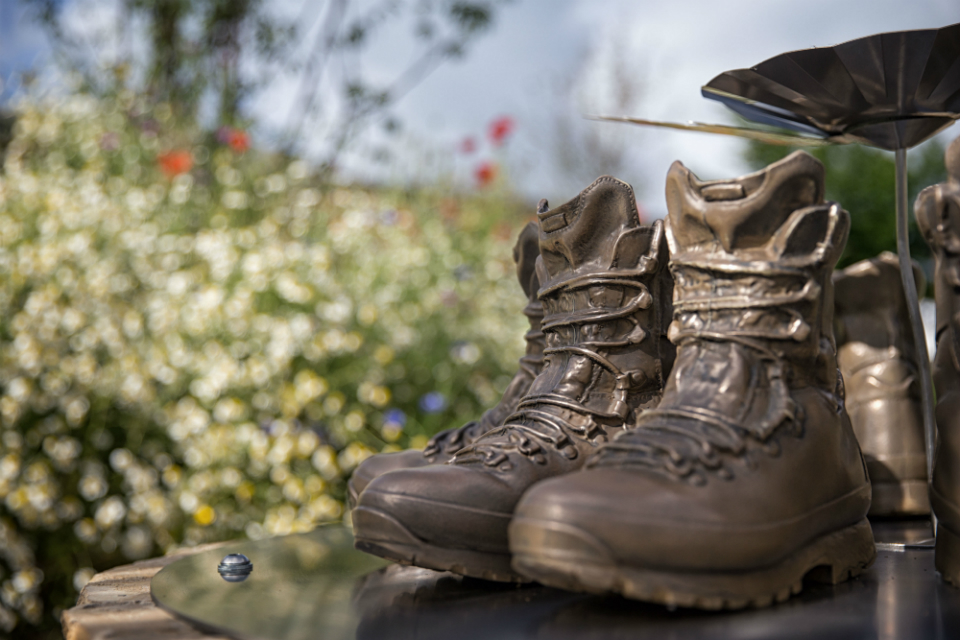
x,y
316,585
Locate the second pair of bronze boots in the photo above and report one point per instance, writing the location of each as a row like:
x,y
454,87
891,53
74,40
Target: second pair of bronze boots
x,y
685,439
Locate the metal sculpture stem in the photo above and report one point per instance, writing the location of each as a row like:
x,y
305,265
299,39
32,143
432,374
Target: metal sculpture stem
x,y
913,308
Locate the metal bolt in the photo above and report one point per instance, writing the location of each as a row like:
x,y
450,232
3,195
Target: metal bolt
x,y
235,567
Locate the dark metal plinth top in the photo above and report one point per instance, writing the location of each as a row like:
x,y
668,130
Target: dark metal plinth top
x,y
316,585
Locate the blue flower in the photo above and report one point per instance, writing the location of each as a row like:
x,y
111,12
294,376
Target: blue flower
x,y
395,416
433,402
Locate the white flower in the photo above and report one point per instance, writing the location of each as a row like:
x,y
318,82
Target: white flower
x,y
110,513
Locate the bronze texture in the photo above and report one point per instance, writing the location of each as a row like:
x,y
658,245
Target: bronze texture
x,y
878,360
889,90
938,215
606,294
443,445
747,477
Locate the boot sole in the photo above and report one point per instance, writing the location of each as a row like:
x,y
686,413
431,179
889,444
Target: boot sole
x,y
400,545
947,555
905,498
832,558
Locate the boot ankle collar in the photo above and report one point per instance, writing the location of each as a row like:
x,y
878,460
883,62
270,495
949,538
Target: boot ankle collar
x,y
729,305
629,251
640,300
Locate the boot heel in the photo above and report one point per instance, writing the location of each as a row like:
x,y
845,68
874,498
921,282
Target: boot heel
x,y
844,554
947,558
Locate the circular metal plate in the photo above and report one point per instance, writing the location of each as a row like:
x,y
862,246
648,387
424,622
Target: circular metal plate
x,y
301,587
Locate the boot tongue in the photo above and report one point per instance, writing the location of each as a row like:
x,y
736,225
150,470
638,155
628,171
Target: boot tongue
x,y
741,213
597,231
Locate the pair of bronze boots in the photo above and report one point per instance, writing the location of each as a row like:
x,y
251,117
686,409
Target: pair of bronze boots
x,y
685,440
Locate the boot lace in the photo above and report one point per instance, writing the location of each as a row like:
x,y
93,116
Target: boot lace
x,y
532,430
722,317
684,439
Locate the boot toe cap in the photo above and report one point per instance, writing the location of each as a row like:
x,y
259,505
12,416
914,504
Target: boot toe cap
x,y
610,516
445,505
375,466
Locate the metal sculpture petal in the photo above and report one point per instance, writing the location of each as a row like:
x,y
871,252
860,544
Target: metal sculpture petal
x,y
782,138
890,90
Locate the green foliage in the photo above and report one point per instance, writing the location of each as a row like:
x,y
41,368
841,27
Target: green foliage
x,y
472,16
861,179
199,344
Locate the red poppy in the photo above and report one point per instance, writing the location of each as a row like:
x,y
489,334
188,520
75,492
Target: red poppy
x,y
485,173
238,140
175,162
500,129
468,146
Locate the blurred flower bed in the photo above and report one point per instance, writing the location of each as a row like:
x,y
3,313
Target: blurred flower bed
x,y
200,343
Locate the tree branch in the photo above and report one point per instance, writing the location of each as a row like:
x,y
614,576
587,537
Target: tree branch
x,y
326,38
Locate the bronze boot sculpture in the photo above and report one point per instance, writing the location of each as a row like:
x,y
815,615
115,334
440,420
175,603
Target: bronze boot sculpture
x,y
878,360
747,476
938,215
443,445
606,296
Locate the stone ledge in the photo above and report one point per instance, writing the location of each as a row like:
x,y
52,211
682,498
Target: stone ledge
x,y
116,605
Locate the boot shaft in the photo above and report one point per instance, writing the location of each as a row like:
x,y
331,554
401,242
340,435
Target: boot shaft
x,y
753,319
876,350
606,297
870,306
751,259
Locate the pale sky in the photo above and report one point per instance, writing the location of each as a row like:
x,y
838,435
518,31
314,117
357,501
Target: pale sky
x,y
676,46
669,48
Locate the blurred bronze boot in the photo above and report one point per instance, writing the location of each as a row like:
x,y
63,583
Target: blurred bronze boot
x,y
606,297
938,215
747,476
442,446
878,360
